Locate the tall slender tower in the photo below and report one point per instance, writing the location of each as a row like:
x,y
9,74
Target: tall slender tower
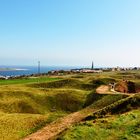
x,y
92,67
38,67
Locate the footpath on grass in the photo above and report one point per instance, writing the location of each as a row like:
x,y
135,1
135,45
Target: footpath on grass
x,y
104,89
57,127
60,125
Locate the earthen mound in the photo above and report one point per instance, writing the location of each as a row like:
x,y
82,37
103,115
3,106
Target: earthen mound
x,y
125,87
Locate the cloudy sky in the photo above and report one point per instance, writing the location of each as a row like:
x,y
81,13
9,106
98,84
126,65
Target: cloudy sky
x,y
70,32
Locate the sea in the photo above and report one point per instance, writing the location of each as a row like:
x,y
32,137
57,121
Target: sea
x,y
28,70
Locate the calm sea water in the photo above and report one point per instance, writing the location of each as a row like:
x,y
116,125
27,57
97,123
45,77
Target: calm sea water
x,y
30,70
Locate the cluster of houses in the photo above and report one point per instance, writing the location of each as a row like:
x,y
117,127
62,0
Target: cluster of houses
x,y
125,69
88,70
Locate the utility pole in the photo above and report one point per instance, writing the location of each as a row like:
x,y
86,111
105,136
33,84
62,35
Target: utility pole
x,y
38,67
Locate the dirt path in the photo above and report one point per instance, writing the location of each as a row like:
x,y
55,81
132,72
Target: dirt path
x,y
60,125
102,89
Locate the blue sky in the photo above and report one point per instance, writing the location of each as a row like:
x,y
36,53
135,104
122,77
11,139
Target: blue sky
x,y
70,32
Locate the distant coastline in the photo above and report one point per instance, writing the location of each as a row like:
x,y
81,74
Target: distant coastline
x,y
12,69
28,70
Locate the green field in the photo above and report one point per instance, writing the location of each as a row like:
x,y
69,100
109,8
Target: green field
x,y
27,80
26,105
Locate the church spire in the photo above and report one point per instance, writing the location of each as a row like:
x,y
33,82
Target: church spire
x,y
92,67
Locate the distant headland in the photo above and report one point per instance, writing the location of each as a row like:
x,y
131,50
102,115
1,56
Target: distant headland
x,y
12,69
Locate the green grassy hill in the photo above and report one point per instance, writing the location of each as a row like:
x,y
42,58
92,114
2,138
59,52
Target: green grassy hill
x,y
115,127
119,120
27,105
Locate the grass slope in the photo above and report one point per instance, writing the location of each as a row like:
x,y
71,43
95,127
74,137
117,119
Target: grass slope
x,y
102,126
33,107
26,105
15,126
118,127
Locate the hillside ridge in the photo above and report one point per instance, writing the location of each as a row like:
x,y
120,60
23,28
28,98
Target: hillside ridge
x,y
55,128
